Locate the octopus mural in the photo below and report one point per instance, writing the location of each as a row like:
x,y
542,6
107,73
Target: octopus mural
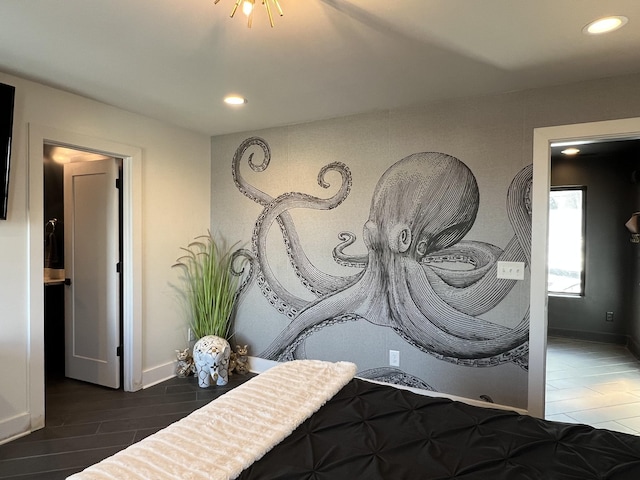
x,y
418,277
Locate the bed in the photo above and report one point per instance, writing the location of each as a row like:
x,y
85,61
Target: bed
x,y
309,419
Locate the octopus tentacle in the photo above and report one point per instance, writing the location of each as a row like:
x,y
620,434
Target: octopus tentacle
x,y
277,295
448,332
458,336
480,255
245,188
238,258
319,314
318,282
483,295
296,348
315,280
519,209
517,355
348,239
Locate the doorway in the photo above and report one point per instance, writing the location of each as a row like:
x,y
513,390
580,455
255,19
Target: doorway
x,y
82,255
591,282
542,140
40,135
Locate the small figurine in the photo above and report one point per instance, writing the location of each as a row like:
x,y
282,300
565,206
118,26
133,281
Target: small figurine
x,y
211,356
242,359
186,365
232,362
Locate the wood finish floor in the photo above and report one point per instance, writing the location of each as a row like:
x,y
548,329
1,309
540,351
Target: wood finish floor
x,y
86,423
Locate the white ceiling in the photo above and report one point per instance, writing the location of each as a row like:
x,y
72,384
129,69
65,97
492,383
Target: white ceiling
x,y
174,60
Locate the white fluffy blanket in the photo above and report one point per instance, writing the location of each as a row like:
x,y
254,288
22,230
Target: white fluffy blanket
x,y
224,437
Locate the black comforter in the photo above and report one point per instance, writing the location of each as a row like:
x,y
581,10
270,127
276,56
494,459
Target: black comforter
x,y
374,432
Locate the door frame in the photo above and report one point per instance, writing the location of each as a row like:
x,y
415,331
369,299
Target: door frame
x,y
628,128
131,256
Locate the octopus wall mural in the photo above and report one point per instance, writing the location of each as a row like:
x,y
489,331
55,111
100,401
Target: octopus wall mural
x,y
419,276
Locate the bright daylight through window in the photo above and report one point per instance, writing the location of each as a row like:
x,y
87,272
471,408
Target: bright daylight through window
x,y
566,241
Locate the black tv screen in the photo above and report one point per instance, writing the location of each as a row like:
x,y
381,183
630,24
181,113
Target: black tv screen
x,y
7,96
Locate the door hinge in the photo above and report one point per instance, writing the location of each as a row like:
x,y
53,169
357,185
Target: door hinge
x,y
117,183
118,267
119,350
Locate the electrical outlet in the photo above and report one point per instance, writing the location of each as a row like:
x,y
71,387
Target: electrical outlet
x,y
511,270
609,317
394,358
191,335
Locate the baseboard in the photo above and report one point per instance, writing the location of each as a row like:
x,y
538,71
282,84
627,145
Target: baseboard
x,y
15,427
600,337
260,365
158,374
634,347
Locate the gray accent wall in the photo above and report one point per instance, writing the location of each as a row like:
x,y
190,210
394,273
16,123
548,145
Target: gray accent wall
x,y
491,135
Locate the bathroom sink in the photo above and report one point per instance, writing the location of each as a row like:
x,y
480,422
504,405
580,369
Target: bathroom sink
x,y
53,275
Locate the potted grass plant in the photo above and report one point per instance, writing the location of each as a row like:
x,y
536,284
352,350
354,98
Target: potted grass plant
x,y
211,290
210,286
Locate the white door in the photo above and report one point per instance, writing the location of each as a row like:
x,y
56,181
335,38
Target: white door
x,y
92,293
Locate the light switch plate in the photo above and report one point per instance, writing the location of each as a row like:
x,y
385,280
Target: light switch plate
x,y
394,358
511,270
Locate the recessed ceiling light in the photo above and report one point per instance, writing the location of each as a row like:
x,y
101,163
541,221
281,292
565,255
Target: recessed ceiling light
x,y
604,25
570,151
234,100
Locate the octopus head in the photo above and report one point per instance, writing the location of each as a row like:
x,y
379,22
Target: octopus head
x,y
424,203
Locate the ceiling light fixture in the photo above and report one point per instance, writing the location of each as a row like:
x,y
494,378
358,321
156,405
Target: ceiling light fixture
x,y
605,25
248,8
234,100
571,151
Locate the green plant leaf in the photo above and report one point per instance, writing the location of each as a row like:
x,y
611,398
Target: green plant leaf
x,y
210,287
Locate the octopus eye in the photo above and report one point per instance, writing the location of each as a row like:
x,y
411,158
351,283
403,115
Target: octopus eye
x,y
421,249
404,240
399,238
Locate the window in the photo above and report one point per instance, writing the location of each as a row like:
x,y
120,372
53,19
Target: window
x,y
566,241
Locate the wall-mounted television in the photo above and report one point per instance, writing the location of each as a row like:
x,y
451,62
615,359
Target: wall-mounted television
x,y
7,96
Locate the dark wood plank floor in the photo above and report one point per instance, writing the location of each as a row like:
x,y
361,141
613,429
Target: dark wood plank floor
x,y
86,423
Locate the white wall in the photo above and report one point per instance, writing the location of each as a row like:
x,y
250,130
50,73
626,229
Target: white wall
x,y
175,206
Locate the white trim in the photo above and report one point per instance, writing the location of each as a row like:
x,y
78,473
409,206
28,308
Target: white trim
x,y
260,365
542,138
132,261
159,374
455,398
164,372
132,271
17,423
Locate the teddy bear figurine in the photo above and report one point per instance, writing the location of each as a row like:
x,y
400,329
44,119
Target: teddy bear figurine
x,y
186,365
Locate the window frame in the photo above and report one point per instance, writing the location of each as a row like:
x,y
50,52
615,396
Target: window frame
x,y
581,294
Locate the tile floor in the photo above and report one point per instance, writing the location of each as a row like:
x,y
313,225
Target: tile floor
x,y
593,383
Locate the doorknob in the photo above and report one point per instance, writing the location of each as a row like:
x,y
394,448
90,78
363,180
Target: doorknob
x,y
67,281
